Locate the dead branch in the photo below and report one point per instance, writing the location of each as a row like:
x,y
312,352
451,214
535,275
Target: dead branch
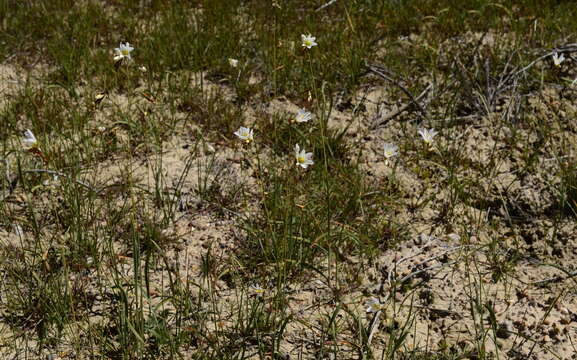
x,y
393,114
326,5
373,326
379,71
569,48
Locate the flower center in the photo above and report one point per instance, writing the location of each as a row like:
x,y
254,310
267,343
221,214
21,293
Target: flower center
x,y
124,52
301,159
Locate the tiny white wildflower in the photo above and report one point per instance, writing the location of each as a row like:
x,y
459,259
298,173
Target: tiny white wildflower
x,y
558,59
308,41
233,62
428,135
123,51
142,69
303,116
390,150
245,134
257,290
29,140
373,305
304,159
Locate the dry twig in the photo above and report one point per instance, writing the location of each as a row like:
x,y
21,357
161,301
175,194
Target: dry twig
x,y
379,71
391,115
326,5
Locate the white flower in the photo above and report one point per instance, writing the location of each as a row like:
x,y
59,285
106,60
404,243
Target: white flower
x,y
373,305
123,51
29,140
390,150
303,116
245,134
257,290
304,159
558,59
428,135
308,40
233,62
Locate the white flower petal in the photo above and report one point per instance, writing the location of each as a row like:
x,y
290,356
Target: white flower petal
x,y
29,139
233,62
245,134
303,159
123,51
303,116
428,135
390,150
308,41
373,305
558,59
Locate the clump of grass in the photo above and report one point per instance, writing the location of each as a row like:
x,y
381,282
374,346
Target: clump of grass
x,y
306,214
